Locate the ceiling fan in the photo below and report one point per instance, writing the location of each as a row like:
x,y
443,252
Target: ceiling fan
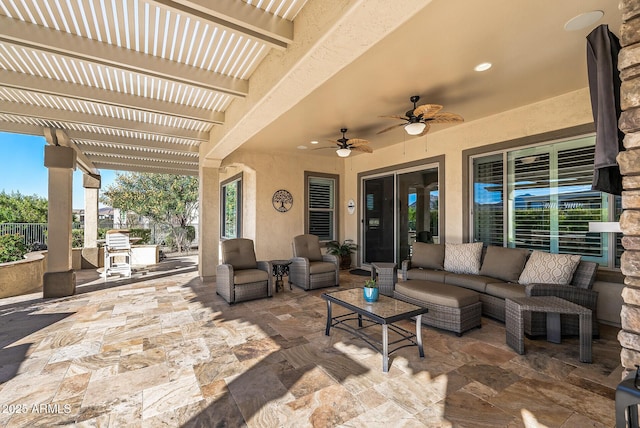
x,y
345,145
418,120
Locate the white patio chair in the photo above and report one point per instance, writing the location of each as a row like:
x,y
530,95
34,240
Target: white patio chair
x,y
117,253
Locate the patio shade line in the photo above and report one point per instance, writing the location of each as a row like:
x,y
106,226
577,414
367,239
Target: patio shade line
x,y
150,169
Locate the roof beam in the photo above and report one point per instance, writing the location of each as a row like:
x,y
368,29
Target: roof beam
x,y
83,161
57,43
99,121
238,17
12,79
20,128
144,160
80,136
95,152
146,168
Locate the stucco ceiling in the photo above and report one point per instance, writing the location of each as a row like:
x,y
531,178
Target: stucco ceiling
x,y
159,85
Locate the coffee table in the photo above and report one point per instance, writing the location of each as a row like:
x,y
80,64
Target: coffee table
x,y
385,312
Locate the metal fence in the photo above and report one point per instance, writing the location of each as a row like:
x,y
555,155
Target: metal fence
x,y
37,232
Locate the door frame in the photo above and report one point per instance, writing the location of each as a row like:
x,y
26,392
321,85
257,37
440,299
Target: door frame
x,y
432,162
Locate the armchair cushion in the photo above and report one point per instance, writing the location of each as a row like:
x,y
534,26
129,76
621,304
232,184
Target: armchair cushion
x,y
321,267
239,254
246,276
427,256
307,246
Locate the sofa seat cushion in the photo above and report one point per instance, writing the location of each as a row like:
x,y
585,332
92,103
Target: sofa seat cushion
x,y
426,274
321,267
437,293
246,276
473,282
505,290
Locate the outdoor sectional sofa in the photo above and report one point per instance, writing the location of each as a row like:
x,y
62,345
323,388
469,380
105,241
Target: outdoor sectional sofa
x,y
454,273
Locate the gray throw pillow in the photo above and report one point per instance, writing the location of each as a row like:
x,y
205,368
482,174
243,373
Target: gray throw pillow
x,y
504,263
427,256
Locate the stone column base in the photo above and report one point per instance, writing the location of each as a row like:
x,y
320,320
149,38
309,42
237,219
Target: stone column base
x,y
59,284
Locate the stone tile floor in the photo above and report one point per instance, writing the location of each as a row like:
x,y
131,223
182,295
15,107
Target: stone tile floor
x,y
162,349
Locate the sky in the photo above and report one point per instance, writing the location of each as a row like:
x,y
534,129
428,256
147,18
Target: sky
x,y
22,168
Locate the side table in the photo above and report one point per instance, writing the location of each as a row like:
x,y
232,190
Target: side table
x,y
280,268
553,307
386,276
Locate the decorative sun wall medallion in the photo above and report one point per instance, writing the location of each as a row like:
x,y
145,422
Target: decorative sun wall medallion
x,y
282,200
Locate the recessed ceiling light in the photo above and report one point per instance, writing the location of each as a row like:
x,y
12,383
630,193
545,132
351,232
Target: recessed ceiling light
x,y
314,142
302,147
483,66
583,20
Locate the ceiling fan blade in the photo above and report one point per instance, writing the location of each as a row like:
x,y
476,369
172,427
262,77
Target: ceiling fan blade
x,y
427,110
390,128
445,118
396,116
356,142
365,149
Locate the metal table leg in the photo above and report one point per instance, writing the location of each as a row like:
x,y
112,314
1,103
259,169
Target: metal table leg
x,y
385,348
326,332
419,335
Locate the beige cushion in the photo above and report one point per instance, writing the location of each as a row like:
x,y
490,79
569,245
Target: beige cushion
x,y
428,256
426,274
546,268
473,282
321,267
505,290
246,276
504,263
463,258
439,294
239,253
307,246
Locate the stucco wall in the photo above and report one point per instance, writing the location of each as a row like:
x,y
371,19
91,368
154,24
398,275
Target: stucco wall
x,y
265,173
23,276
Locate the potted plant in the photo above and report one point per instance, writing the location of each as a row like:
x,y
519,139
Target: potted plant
x,y
370,290
343,250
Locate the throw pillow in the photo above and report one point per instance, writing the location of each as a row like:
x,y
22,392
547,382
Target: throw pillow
x,y
504,263
427,256
546,268
463,258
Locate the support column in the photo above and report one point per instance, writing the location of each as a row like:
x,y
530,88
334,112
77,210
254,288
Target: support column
x,y
60,279
209,218
90,252
629,161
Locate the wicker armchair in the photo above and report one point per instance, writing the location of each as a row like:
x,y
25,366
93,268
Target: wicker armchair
x,y
309,268
578,292
240,277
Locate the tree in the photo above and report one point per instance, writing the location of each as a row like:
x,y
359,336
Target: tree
x,y
167,199
17,208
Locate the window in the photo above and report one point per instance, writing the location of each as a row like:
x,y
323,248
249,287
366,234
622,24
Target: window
x,y
540,198
321,213
231,207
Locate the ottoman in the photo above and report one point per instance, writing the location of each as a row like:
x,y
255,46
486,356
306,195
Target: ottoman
x,y
451,308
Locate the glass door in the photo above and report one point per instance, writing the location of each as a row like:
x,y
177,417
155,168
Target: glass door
x,y
399,209
417,209
378,220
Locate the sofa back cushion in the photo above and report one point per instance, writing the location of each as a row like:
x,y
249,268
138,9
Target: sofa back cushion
x,y
427,256
546,268
504,263
463,258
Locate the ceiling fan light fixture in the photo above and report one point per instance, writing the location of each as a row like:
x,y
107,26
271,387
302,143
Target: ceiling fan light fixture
x,y
414,128
343,153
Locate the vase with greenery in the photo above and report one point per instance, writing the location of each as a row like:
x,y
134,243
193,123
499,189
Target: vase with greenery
x,y
371,290
343,251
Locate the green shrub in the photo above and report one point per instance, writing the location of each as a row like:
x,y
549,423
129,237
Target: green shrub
x,y
12,248
143,234
77,238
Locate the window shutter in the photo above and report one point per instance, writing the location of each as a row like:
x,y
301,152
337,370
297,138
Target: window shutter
x,y
321,207
488,200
